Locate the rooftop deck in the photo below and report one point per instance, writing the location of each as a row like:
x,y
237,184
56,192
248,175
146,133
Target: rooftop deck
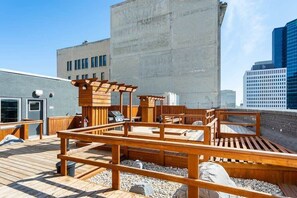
x,y
28,169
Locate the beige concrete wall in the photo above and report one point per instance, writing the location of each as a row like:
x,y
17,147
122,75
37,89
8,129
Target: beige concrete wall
x,y
88,50
168,46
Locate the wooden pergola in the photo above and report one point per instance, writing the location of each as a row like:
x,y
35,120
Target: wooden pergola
x,y
95,98
149,108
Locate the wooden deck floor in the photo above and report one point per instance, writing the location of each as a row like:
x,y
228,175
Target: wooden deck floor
x,y
34,157
235,129
59,186
29,170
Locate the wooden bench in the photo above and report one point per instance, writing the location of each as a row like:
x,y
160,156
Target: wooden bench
x,y
170,131
173,120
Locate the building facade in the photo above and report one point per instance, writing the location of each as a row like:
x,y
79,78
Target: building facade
x,y
88,60
284,54
30,96
228,99
265,88
169,46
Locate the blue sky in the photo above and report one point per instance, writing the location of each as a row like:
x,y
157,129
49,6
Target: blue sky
x,y
32,30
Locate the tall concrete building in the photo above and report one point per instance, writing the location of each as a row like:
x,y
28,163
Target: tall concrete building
x,y
265,87
169,46
228,99
88,60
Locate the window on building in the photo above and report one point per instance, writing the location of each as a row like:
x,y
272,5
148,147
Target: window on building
x,y
83,63
78,64
86,63
104,60
70,65
92,61
10,110
83,76
67,65
96,61
69,77
100,61
86,76
34,106
94,75
75,64
77,77
102,76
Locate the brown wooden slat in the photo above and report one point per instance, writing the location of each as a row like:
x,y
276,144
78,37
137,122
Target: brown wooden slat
x,y
262,144
244,146
221,141
281,148
238,147
232,146
226,144
293,189
256,144
249,143
272,147
289,190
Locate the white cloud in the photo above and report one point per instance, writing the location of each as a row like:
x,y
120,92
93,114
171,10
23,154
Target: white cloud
x,y
246,22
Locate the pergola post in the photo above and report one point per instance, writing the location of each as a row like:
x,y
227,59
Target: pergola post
x,y
121,102
155,114
130,106
161,107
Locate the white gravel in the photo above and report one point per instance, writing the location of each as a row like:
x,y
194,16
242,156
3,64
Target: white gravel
x,y
166,189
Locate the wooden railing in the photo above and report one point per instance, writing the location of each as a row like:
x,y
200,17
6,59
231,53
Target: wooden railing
x,y
19,129
162,130
193,152
223,117
206,118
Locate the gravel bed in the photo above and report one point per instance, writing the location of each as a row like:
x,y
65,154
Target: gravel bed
x,y
166,189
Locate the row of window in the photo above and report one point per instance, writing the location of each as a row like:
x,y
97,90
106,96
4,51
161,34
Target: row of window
x,y
266,83
274,88
262,77
271,71
253,106
266,99
266,80
265,95
267,91
84,63
95,63
266,102
86,76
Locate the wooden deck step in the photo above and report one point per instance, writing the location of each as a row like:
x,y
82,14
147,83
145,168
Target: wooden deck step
x,y
247,143
289,190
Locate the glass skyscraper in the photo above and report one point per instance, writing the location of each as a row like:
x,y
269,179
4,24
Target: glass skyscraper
x,y
292,64
284,54
279,47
